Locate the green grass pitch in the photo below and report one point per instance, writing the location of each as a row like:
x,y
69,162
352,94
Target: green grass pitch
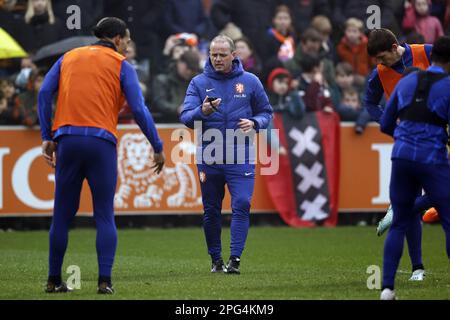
x,y
278,263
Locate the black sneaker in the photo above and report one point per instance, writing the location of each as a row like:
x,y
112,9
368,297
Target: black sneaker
x,y
233,265
218,266
105,288
62,288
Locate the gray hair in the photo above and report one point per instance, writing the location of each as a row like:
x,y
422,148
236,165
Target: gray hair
x,y
226,39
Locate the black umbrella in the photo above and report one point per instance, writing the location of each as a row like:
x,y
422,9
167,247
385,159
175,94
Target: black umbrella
x,y
53,51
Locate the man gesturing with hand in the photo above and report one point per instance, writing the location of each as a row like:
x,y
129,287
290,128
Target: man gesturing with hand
x,y
92,84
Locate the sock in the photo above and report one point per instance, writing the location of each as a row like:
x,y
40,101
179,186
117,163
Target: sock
x,y
418,267
56,280
102,279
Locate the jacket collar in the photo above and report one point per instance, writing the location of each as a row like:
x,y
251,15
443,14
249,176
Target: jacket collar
x,y
106,44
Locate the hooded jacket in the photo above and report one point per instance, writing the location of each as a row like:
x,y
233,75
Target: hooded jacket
x,y
243,97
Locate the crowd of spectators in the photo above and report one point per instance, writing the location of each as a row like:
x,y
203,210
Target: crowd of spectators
x,y
310,54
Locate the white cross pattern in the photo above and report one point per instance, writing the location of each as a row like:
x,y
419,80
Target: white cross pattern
x,y
313,210
304,141
310,177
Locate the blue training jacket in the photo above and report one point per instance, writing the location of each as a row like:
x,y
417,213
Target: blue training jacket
x,y
417,141
243,97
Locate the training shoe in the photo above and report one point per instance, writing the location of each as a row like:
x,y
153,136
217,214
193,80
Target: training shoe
x,y
62,288
218,266
388,294
105,288
418,275
233,266
430,216
386,222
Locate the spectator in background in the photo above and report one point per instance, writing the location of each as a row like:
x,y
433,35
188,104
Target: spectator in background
x,y
345,79
126,115
9,16
312,85
26,68
142,69
91,12
185,16
27,102
169,89
310,44
417,18
11,115
174,47
143,18
281,96
40,26
283,100
253,17
353,47
323,25
3,109
447,19
303,12
246,53
350,109
188,20
145,21
9,90
280,39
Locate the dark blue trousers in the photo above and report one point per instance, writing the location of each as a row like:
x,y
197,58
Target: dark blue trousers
x,y
407,179
94,159
240,180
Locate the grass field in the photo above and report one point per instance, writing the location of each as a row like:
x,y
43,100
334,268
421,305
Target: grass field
x,y
278,263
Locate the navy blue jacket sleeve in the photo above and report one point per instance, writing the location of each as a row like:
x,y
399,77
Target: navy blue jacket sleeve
x,y
135,99
373,95
388,121
192,107
262,110
428,49
45,100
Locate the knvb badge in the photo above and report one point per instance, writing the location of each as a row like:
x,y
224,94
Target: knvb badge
x,y
240,89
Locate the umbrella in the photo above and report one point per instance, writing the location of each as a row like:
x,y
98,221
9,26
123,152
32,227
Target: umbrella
x,y
9,48
57,49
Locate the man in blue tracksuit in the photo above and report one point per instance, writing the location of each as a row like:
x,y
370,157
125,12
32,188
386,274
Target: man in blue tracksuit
x,y
393,60
417,116
225,99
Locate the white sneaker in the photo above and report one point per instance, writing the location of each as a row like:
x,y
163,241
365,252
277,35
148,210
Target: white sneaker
x,y
386,222
418,275
388,294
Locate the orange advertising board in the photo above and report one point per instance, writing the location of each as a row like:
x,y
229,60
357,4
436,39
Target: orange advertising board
x,y
27,183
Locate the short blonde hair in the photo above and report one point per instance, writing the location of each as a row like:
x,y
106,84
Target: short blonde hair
x,y
322,24
30,12
355,23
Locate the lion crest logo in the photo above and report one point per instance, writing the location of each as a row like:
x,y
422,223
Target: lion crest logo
x,y
240,88
202,176
141,188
